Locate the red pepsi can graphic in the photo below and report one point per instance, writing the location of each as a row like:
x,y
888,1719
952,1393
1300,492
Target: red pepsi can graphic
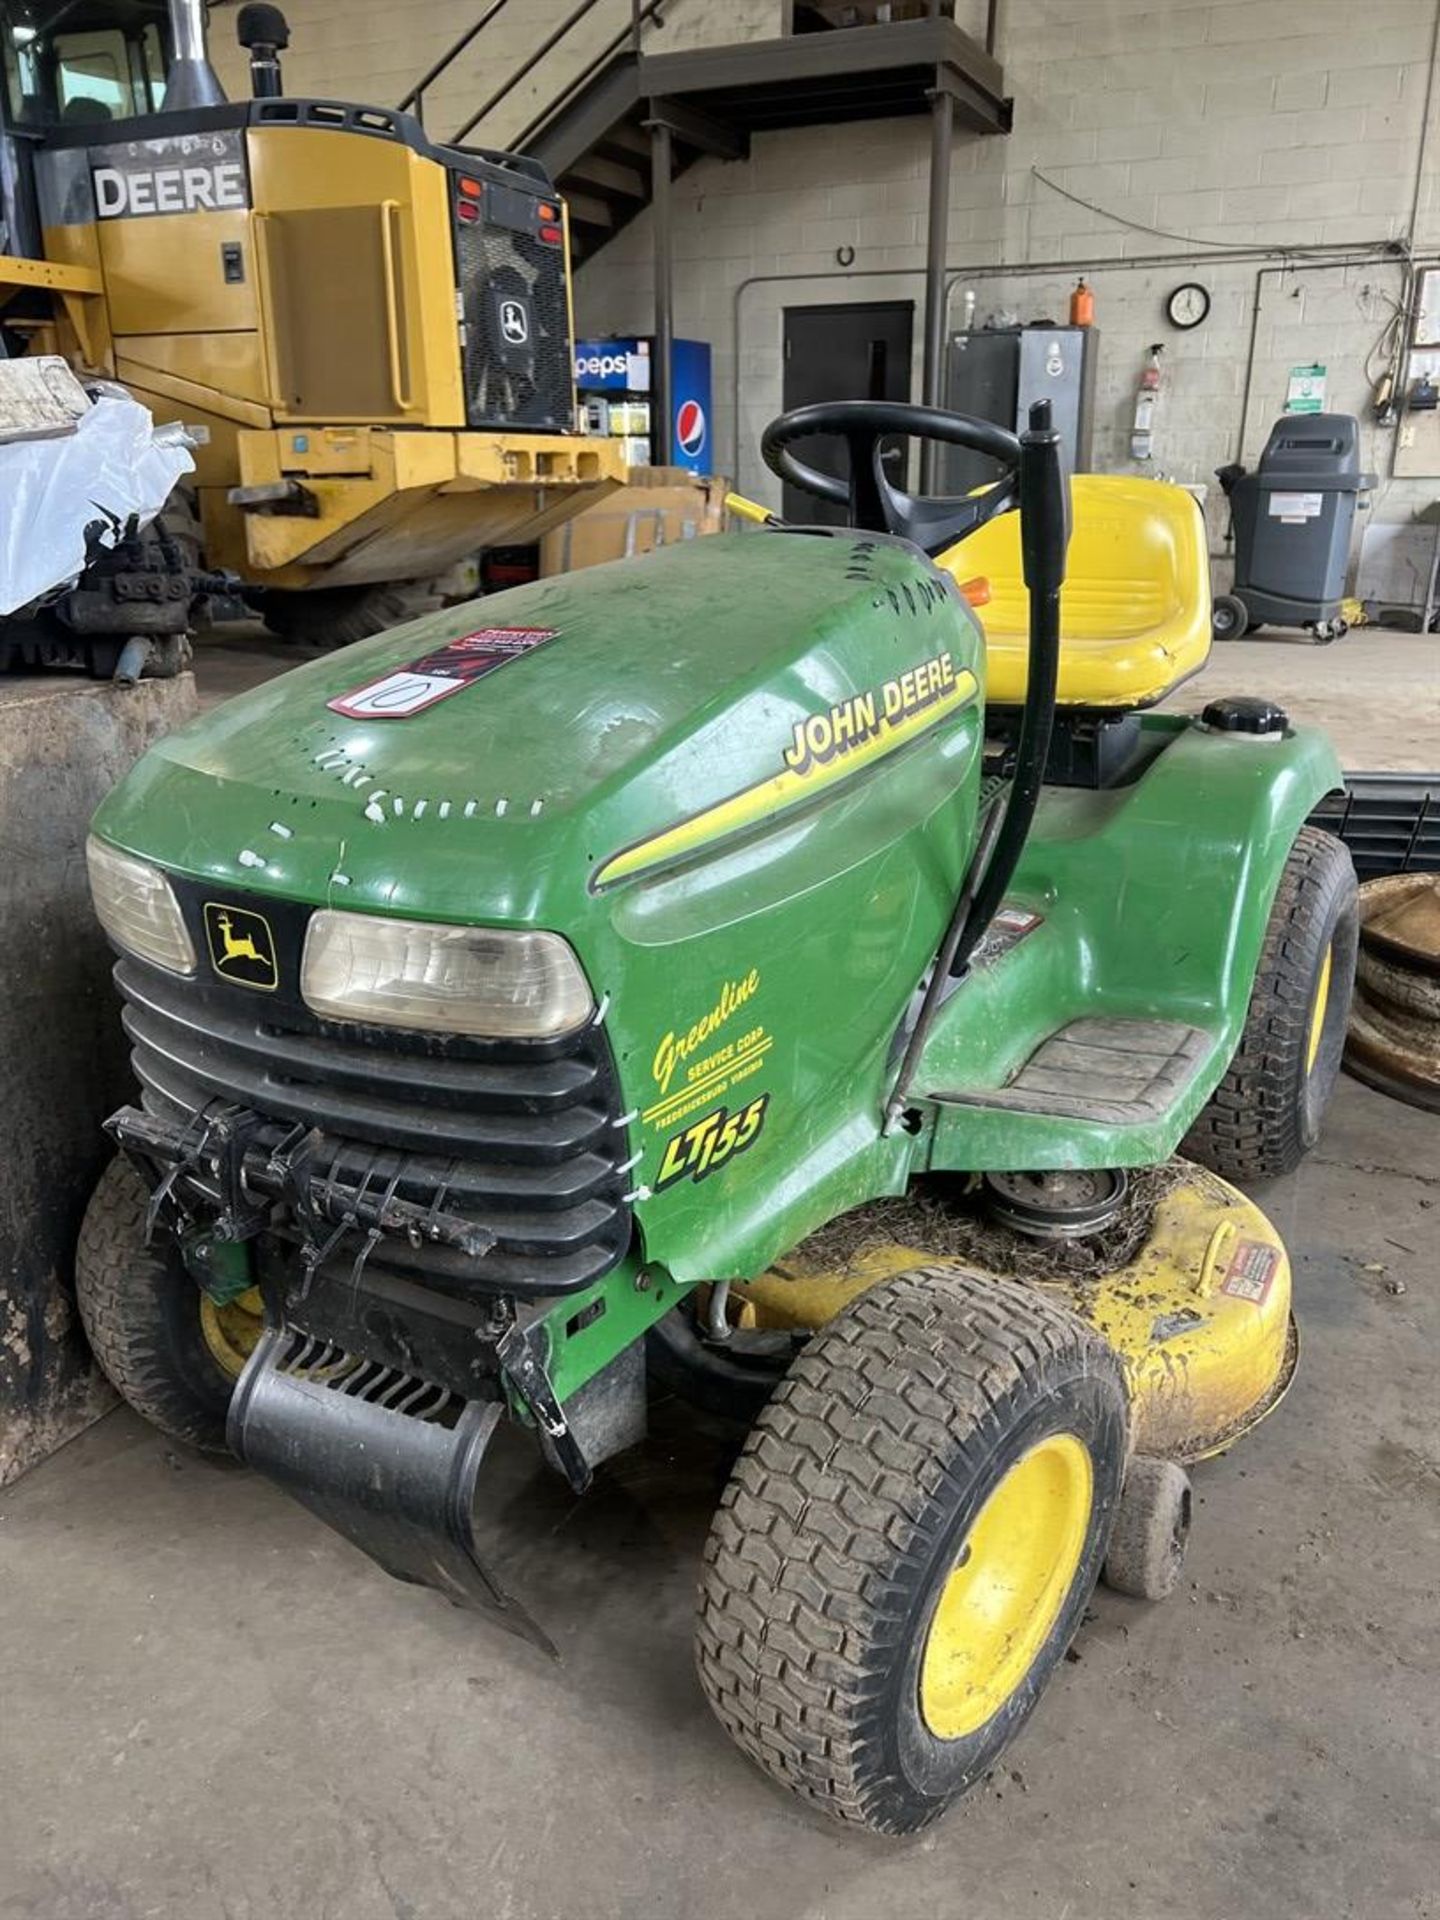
x,y
690,429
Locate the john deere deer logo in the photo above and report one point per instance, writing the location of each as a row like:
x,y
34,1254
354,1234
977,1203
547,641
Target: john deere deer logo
x,y
242,948
514,322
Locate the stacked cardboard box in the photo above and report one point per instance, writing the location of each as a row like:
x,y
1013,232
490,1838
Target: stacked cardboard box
x,y
659,506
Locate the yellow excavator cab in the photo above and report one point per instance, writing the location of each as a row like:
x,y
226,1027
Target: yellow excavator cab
x,y
1135,608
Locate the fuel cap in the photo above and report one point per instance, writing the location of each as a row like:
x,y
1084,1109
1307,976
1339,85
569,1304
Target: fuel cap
x,y
1245,713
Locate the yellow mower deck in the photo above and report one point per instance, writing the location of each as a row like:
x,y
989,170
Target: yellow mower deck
x,y
1200,1315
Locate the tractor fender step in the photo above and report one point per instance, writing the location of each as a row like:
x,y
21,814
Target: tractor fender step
x,y
1115,1071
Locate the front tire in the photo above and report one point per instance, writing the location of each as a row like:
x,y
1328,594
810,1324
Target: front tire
x,y
1266,1113
908,1541
161,1343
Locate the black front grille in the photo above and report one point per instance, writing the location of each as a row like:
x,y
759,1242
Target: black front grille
x,y
526,1142
512,282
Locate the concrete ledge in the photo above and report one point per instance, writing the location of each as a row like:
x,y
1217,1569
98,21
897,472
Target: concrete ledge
x,y
63,1064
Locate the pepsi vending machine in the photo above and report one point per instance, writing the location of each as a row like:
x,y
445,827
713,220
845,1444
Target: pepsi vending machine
x,y
612,378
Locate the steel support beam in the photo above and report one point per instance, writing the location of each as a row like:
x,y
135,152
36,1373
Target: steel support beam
x,y
693,128
942,133
661,158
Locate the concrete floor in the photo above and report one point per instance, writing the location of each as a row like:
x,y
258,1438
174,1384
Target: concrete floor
x,y
1377,693
213,1709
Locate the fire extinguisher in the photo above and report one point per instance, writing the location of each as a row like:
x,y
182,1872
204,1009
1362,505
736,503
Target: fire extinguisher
x,y
1146,395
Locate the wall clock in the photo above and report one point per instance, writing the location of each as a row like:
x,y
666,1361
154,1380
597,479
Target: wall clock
x,y
1187,305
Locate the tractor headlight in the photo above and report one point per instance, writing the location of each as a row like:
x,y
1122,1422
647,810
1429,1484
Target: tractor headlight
x,y
494,983
136,906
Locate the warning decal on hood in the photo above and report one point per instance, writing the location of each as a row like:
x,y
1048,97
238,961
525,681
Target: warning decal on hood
x,y
410,689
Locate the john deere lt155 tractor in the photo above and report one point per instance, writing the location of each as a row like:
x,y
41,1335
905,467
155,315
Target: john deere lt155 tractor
x,y
684,966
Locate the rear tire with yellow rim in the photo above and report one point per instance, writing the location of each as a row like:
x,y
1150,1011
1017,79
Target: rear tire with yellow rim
x,y
165,1346
1267,1112
908,1541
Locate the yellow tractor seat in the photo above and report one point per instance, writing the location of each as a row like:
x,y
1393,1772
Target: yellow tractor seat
x,y
1135,607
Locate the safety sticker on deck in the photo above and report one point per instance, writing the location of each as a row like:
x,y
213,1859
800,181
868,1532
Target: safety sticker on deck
x,y
1252,1268
408,690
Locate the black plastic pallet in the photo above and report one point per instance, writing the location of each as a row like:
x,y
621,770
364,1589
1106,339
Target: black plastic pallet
x,y
1389,821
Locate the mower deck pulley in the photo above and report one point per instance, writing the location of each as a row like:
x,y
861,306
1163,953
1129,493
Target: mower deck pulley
x,y
1065,1205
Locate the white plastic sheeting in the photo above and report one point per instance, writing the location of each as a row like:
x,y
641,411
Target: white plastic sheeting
x,y
117,463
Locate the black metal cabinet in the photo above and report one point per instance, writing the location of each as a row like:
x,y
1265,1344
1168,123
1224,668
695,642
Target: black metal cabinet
x,y
995,373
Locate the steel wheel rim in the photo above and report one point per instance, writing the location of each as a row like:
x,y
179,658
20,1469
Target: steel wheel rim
x,y
1318,1008
230,1332
1007,1587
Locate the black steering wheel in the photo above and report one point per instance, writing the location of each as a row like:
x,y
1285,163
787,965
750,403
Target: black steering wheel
x,y
931,523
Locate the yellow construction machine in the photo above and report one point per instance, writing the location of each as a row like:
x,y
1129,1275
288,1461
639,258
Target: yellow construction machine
x,y
371,333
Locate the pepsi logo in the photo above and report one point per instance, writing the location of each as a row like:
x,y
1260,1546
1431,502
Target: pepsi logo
x,y
690,428
600,363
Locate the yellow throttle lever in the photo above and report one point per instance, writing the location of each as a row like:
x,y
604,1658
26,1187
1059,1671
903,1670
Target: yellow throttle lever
x,y
752,510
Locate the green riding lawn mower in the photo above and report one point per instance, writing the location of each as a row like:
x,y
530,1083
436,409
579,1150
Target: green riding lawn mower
x,y
679,971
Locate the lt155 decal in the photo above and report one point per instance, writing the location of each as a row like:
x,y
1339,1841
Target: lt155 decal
x,y
710,1143
695,1065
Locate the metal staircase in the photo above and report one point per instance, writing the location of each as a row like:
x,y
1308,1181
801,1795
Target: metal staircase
x,y
636,114
597,139
598,147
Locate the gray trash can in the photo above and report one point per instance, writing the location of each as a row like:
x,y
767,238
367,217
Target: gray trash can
x,y
1293,518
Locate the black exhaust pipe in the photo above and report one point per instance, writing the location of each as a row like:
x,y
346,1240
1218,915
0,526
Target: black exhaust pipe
x,y
191,81
264,33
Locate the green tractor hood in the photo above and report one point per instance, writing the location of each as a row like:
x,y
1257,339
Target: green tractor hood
x,y
489,763
694,767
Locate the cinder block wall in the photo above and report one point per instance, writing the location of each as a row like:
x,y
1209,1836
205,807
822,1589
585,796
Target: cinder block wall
x,y
375,50
1238,128
1262,125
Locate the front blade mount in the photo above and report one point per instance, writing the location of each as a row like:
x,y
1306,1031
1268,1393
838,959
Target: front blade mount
x,y
388,1460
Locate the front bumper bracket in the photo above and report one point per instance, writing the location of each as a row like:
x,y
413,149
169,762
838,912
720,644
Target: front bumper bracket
x,y
386,1459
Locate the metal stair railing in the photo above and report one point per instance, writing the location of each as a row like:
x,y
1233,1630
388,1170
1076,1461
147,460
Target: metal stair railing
x,y
641,17
642,13
414,100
